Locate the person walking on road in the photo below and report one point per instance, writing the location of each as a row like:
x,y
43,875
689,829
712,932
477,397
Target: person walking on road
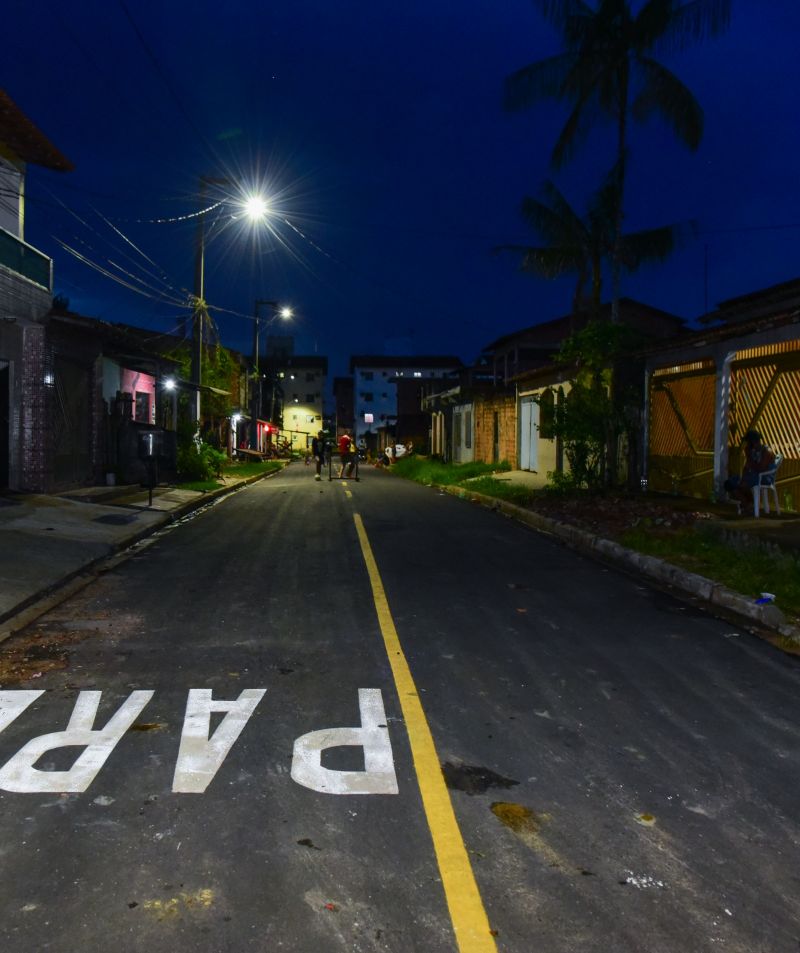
x,y
346,454
318,453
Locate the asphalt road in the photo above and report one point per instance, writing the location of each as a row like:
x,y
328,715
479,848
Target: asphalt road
x,y
620,771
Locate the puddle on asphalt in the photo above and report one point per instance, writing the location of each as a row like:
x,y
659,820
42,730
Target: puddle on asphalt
x,y
116,519
472,779
517,817
307,842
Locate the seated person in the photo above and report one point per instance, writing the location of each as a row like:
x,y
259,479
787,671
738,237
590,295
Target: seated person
x,y
757,459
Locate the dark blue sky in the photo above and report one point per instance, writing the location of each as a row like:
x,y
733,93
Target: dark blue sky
x,y
380,130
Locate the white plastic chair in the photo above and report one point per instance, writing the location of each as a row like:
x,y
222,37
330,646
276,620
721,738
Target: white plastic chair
x,y
767,481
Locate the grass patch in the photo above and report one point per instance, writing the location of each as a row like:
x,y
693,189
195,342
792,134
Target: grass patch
x,y
503,490
235,471
201,486
241,471
435,473
749,571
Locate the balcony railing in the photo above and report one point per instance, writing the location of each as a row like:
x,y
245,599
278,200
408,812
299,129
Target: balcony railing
x,y
25,260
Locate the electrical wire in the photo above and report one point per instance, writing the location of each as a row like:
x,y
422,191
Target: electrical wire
x,y
165,78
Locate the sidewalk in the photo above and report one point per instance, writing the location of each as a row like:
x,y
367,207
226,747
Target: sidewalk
x,y
46,541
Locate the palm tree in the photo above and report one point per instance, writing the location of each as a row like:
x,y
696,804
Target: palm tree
x,y
607,67
580,246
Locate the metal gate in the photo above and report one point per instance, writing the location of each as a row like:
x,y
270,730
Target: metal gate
x,y
72,461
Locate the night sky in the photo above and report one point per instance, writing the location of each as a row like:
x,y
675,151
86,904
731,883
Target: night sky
x,y
379,132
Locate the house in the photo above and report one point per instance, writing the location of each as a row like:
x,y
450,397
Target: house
x,y
32,406
375,391
540,388
473,416
302,381
501,409
703,393
343,404
112,393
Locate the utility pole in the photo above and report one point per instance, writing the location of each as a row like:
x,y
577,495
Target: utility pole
x,y
255,397
200,315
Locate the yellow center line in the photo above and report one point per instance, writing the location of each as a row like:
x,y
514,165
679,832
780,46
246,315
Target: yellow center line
x,y
467,913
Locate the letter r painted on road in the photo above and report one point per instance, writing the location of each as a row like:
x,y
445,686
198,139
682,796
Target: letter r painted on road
x,y
373,736
19,774
200,756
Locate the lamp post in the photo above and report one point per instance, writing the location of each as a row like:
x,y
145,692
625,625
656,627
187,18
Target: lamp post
x,y
254,208
200,315
255,400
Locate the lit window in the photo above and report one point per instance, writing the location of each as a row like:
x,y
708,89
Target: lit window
x,y
417,373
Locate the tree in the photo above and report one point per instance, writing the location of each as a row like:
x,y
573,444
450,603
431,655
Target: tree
x,y
580,246
590,421
608,68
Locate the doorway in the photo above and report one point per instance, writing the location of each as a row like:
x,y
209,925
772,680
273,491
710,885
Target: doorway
x,y
529,435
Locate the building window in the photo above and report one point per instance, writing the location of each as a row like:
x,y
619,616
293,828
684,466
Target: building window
x,y
367,375
309,398
467,428
310,376
417,373
142,412
367,396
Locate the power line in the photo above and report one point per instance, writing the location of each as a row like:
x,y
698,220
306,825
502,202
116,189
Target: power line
x,y
165,78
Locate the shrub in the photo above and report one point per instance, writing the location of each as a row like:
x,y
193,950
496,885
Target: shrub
x,y
199,463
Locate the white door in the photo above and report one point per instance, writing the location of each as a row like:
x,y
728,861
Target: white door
x,y
529,435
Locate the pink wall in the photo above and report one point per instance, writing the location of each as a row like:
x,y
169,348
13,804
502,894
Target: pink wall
x,y
134,382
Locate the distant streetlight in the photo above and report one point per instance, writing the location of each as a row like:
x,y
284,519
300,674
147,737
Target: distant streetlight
x,y
255,400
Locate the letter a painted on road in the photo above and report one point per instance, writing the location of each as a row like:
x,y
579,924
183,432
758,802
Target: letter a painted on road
x,y
200,756
13,704
372,736
19,774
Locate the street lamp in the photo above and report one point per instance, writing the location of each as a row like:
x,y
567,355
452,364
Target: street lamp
x,y
255,208
255,401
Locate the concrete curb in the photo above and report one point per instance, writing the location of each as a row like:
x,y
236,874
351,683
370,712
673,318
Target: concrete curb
x,y
769,616
169,516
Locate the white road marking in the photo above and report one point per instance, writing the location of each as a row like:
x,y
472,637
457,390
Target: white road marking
x,y
13,704
200,757
19,775
373,736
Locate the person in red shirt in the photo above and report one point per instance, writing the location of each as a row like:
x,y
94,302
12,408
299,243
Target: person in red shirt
x,y
757,459
346,454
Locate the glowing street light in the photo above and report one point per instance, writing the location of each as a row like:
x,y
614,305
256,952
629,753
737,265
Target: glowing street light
x,y
256,208
284,313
